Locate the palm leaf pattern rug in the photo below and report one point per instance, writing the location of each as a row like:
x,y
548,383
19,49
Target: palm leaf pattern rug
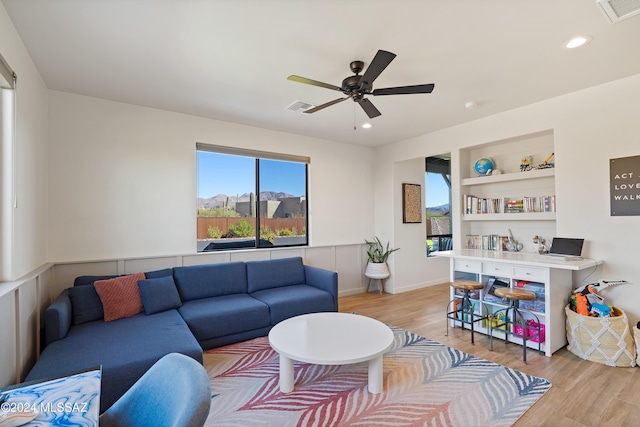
x,y
425,383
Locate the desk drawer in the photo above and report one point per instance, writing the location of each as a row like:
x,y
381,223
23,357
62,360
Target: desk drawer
x,y
529,273
496,269
468,265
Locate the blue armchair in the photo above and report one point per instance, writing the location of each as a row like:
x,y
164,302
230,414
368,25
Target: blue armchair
x,y
175,391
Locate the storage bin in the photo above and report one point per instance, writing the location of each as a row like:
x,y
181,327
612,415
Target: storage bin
x,y
605,340
532,324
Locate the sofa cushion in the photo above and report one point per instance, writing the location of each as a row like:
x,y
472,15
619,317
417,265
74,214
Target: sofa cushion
x,y
120,296
211,280
58,318
86,304
274,273
159,294
294,300
126,349
224,315
90,280
159,273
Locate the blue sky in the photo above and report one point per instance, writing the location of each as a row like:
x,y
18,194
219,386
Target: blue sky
x,y
436,189
235,175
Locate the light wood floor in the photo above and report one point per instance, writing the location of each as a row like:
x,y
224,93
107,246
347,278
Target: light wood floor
x,y
583,393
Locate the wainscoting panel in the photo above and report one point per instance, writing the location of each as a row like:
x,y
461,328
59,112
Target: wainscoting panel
x,y
350,278
321,257
150,264
8,338
28,316
66,273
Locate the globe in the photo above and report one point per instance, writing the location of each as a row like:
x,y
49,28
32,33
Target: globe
x,y
484,166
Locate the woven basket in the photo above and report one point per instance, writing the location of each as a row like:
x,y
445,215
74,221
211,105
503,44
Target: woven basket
x,y
636,338
605,340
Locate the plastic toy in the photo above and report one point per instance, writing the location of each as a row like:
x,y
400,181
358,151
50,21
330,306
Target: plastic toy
x,y
525,164
547,164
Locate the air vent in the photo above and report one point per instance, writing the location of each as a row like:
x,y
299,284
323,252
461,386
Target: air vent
x,y
617,10
299,106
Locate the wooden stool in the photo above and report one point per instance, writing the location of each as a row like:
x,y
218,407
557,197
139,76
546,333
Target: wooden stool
x,y
515,316
464,305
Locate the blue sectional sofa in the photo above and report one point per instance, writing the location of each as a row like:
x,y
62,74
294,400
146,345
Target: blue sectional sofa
x,y
186,310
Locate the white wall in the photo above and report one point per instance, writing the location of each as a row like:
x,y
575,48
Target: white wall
x,y
590,127
31,145
122,179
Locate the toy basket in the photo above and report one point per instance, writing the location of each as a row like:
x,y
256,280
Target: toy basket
x,y
636,338
605,340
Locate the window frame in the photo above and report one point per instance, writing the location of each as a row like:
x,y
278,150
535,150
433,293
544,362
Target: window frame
x,y
258,155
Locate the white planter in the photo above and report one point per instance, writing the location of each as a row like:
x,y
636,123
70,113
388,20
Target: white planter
x,y
376,270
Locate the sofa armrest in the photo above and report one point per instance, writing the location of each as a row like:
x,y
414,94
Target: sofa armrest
x,y
323,279
57,318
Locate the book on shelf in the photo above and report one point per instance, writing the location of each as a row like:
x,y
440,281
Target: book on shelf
x,y
487,242
485,205
490,289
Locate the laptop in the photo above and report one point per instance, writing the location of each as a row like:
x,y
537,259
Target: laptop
x,y
569,249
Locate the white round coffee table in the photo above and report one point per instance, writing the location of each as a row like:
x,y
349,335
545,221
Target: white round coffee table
x,y
331,339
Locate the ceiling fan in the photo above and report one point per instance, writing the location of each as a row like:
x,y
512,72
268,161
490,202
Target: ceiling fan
x,y
357,86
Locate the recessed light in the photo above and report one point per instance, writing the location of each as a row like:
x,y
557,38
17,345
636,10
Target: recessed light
x,y
366,125
471,105
577,42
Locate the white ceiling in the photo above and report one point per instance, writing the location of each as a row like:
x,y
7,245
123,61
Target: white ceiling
x,y
229,60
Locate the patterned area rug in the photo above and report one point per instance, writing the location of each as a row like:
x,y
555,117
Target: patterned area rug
x,y
425,383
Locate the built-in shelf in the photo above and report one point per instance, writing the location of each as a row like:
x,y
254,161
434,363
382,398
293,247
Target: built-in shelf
x,y
515,216
492,179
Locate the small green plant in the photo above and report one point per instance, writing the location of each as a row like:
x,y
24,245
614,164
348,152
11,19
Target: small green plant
x,y
214,232
267,234
377,252
284,232
241,229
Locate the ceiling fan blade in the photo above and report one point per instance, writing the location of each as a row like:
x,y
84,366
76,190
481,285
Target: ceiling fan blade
x,y
325,105
369,108
377,66
404,90
313,83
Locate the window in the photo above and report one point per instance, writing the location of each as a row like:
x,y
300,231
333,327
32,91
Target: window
x,y
438,203
7,161
241,191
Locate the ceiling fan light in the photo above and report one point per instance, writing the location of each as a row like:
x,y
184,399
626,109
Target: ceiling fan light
x,y
366,125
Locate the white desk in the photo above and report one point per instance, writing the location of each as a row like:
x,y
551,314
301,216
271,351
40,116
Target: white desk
x,y
554,274
331,339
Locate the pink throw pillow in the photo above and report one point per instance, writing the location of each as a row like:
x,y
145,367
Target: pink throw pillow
x,y
120,296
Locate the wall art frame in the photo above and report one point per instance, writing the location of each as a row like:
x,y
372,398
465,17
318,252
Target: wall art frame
x,y
411,203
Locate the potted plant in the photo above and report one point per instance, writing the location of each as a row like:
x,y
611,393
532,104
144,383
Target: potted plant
x,y
378,254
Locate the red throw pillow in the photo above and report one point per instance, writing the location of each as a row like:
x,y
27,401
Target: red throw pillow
x,y
120,296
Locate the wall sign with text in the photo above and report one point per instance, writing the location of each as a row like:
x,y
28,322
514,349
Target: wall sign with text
x,y
624,176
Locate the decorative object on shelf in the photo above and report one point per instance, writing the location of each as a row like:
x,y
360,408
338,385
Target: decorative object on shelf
x,y
513,245
525,164
547,164
496,172
484,166
411,204
541,245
